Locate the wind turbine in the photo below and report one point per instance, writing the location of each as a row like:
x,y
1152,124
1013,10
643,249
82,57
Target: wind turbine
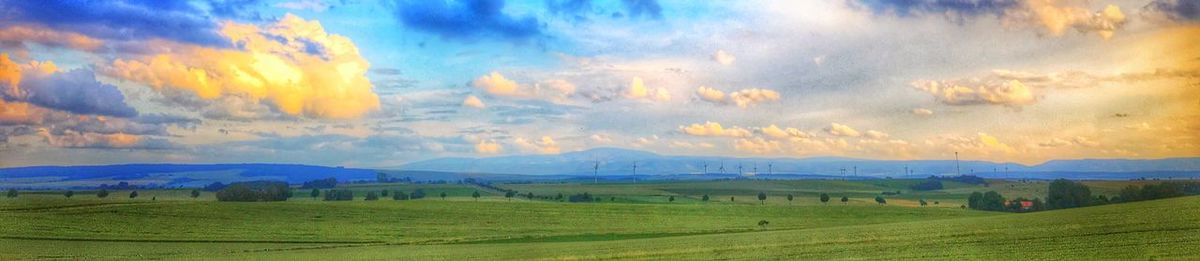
x,y
957,169
596,173
635,171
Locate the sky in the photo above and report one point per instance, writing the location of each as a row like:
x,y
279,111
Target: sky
x,y
383,83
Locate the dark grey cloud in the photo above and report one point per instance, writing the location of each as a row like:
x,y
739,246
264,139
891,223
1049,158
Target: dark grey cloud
x,y
904,8
167,119
76,91
121,20
1176,10
466,20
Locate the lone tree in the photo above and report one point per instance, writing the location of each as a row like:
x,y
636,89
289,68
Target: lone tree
x,y
705,198
923,203
824,198
383,193
730,199
12,193
315,193
880,200
671,199
102,194
69,194
789,198
195,193
763,224
509,195
762,198
529,196
845,199
443,195
372,196
475,195
133,194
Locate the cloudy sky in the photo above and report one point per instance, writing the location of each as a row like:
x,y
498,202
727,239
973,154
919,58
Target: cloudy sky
x,y
378,84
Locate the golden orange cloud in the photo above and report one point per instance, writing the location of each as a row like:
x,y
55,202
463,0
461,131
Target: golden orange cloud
x,y
293,64
487,147
46,36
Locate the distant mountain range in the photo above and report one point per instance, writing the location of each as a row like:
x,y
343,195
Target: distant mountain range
x,y
608,163
613,161
169,175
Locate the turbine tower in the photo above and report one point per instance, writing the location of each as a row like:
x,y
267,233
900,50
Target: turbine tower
x,y
957,169
596,173
635,171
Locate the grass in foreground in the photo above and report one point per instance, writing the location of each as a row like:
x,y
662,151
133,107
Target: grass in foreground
x,y
1162,229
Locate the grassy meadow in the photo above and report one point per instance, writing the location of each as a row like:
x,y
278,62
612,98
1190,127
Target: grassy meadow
x,y
631,221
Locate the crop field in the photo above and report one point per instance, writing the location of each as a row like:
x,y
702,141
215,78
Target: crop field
x,y
632,221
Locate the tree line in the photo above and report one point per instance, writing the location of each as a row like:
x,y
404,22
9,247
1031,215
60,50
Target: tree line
x,y
1064,194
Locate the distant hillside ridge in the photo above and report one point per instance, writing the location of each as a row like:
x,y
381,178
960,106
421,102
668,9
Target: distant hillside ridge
x,y
614,161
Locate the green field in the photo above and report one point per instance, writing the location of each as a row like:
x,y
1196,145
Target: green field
x,y
639,224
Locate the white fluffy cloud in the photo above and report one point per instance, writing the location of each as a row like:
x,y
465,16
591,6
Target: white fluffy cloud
x,y
545,145
637,90
789,133
747,97
690,145
837,129
921,112
743,98
878,135
710,94
473,102
600,138
757,145
1011,93
714,129
723,58
495,84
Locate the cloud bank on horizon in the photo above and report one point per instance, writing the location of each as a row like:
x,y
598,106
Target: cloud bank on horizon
x,y
372,84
